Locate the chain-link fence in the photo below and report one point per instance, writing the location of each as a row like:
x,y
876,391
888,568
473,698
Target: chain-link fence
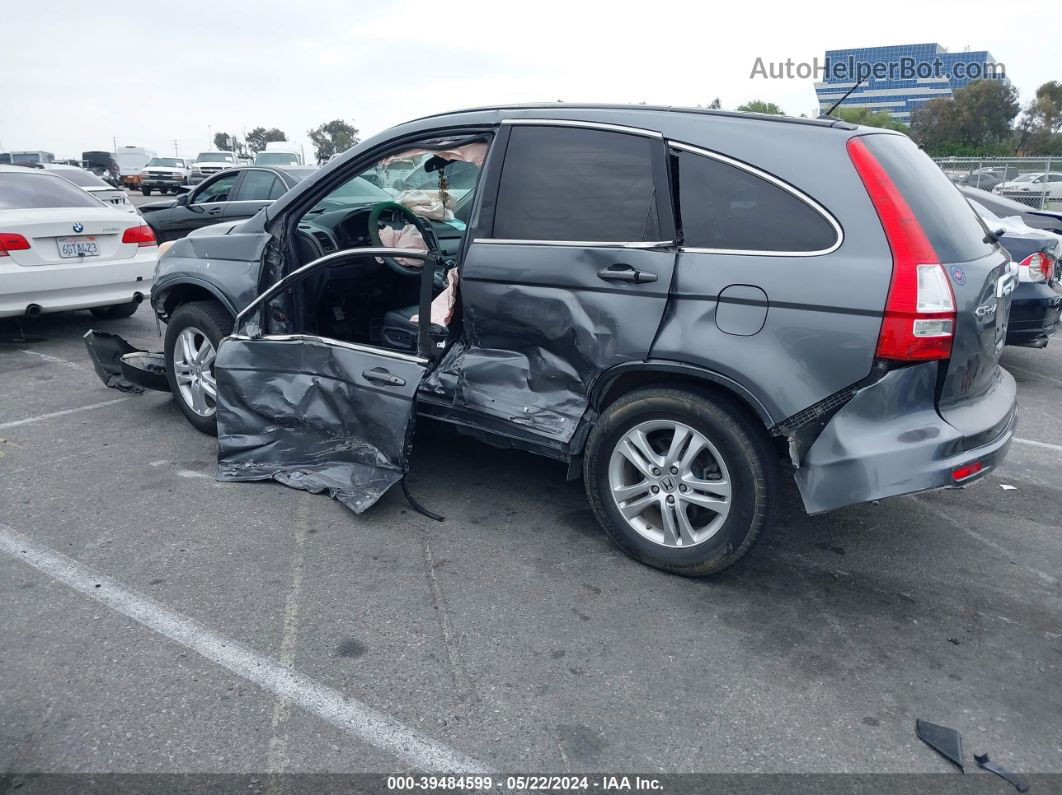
x,y
1035,181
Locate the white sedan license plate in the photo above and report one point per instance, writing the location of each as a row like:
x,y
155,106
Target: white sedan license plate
x,y
78,246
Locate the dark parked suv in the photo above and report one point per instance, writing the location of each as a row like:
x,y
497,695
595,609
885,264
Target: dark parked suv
x,y
680,304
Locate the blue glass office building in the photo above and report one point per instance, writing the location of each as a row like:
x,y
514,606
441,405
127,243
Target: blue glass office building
x,y
901,77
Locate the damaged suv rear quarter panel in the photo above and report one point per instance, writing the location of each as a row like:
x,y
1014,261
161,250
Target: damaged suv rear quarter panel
x,y
823,311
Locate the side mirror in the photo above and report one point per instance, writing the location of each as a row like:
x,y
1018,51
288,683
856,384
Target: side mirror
x,y
182,199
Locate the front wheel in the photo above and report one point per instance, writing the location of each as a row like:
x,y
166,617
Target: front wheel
x,y
146,191
682,481
192,338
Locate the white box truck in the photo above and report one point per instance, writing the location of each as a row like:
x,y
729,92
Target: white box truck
x,y
131,160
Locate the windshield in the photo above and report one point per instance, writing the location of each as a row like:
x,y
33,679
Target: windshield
x,y
34,190
1027,177
81,178
22,158
215,157
356,191
172,162
276,159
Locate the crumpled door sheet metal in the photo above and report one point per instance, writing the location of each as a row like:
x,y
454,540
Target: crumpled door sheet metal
x,y
300,411
549,345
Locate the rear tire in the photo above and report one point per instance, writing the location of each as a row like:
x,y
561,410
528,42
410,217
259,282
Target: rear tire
x,y
115,311
705,514
200,324
146,191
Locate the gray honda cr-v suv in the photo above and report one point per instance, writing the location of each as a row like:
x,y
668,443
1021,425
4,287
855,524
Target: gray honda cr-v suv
x,y
680,304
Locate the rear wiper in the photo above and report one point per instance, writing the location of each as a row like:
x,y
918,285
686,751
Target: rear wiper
x,y
994,236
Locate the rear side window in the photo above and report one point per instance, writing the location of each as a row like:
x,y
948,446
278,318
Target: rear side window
x,y
725,207
951,225
278,189
256,186
32,191
572,184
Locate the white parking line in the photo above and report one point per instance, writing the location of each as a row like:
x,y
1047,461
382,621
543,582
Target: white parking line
x,y
1032,372
63,413
1045,445
355,718
53,359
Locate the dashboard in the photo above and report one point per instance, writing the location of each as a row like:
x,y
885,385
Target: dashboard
x,y
347,227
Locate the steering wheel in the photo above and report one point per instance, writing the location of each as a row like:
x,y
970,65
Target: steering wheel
x,y
427,231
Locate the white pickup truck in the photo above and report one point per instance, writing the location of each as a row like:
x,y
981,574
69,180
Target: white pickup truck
x,y
209,163
280,153
164,174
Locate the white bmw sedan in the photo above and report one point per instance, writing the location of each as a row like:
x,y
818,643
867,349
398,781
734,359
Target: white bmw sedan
x,y
61,248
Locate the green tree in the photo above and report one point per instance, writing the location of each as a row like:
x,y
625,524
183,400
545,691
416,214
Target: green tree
x,y
229,143
759,106
715,104
331,138
870,118
976,121
260,136
1038,133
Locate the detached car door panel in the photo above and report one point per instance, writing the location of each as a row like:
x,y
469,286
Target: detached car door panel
x,y
569,278
314,413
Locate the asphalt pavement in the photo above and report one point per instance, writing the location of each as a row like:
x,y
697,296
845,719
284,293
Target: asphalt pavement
x,y
251,628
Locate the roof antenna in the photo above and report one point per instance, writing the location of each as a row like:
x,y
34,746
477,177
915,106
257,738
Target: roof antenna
x,y
833,107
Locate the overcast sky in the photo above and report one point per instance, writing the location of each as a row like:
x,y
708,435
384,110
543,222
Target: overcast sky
x,y
76,75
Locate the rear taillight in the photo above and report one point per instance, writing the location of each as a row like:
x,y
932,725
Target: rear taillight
x,y
966,471
919,320
141,235
1037,267
9,241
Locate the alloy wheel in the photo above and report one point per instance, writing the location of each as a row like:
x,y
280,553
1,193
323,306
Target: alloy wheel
x,y
193,367
670,483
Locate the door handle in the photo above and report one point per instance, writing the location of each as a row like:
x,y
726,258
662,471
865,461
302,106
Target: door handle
x,y
625,273
380,375
214,210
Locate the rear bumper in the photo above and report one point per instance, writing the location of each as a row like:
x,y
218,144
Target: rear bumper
x,y
64,286
1034,314
890,440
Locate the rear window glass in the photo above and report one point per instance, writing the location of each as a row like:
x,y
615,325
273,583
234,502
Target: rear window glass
x,y
568,184
31,191
725,207
951,225
83,179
